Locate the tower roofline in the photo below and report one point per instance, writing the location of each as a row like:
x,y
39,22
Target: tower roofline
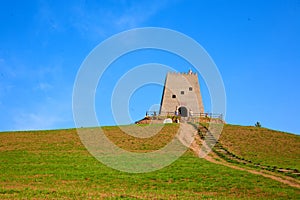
x,y
182,73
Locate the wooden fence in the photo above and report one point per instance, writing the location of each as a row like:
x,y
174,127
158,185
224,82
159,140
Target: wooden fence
x,y
157,114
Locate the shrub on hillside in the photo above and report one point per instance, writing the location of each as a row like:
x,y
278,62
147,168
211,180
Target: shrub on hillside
x,y
257,124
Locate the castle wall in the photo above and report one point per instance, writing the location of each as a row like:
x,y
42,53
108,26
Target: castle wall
x,y
181,89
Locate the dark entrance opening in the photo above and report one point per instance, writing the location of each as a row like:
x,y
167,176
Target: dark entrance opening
x,y
183,111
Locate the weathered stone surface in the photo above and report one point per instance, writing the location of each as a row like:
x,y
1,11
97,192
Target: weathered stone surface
x,y
181,92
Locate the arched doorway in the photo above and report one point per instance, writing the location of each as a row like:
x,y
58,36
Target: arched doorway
x,y
183,111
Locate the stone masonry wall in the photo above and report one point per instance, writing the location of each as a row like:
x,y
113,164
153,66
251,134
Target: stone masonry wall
x,y
181,89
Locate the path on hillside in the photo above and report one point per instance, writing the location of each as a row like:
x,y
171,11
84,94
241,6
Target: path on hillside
x,y
190,138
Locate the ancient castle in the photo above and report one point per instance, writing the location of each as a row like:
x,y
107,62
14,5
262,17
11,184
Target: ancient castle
x,y
181,95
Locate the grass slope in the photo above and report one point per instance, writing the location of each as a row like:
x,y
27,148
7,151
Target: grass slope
x,y
55,165
264,146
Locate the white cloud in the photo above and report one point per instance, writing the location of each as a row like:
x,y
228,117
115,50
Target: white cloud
x,y
35,121
45,113
138,13
48,114
44,86
95,20
47,19
100,21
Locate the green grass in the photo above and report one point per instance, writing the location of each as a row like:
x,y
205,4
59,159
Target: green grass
x,y
55,165
264,146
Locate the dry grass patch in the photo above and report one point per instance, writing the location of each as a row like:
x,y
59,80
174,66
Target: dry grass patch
x,y
162,134
40,141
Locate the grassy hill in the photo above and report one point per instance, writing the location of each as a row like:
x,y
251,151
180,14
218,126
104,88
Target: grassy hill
x,y
55,165
263,145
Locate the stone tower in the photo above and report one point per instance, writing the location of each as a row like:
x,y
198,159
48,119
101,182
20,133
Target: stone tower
x,y
181,95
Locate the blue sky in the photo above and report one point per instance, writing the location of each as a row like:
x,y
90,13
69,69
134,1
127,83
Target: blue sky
x,y
255,44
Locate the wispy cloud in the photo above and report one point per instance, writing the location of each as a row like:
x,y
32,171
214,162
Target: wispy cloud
x,y
136,14
35,86
47,19
33,97
95,20
44,86
6,74
47,114
99,21
35,121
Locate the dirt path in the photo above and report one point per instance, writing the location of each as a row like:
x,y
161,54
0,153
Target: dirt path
x,y
190,138
286,180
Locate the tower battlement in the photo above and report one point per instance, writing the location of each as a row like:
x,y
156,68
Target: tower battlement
x,y
183,73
